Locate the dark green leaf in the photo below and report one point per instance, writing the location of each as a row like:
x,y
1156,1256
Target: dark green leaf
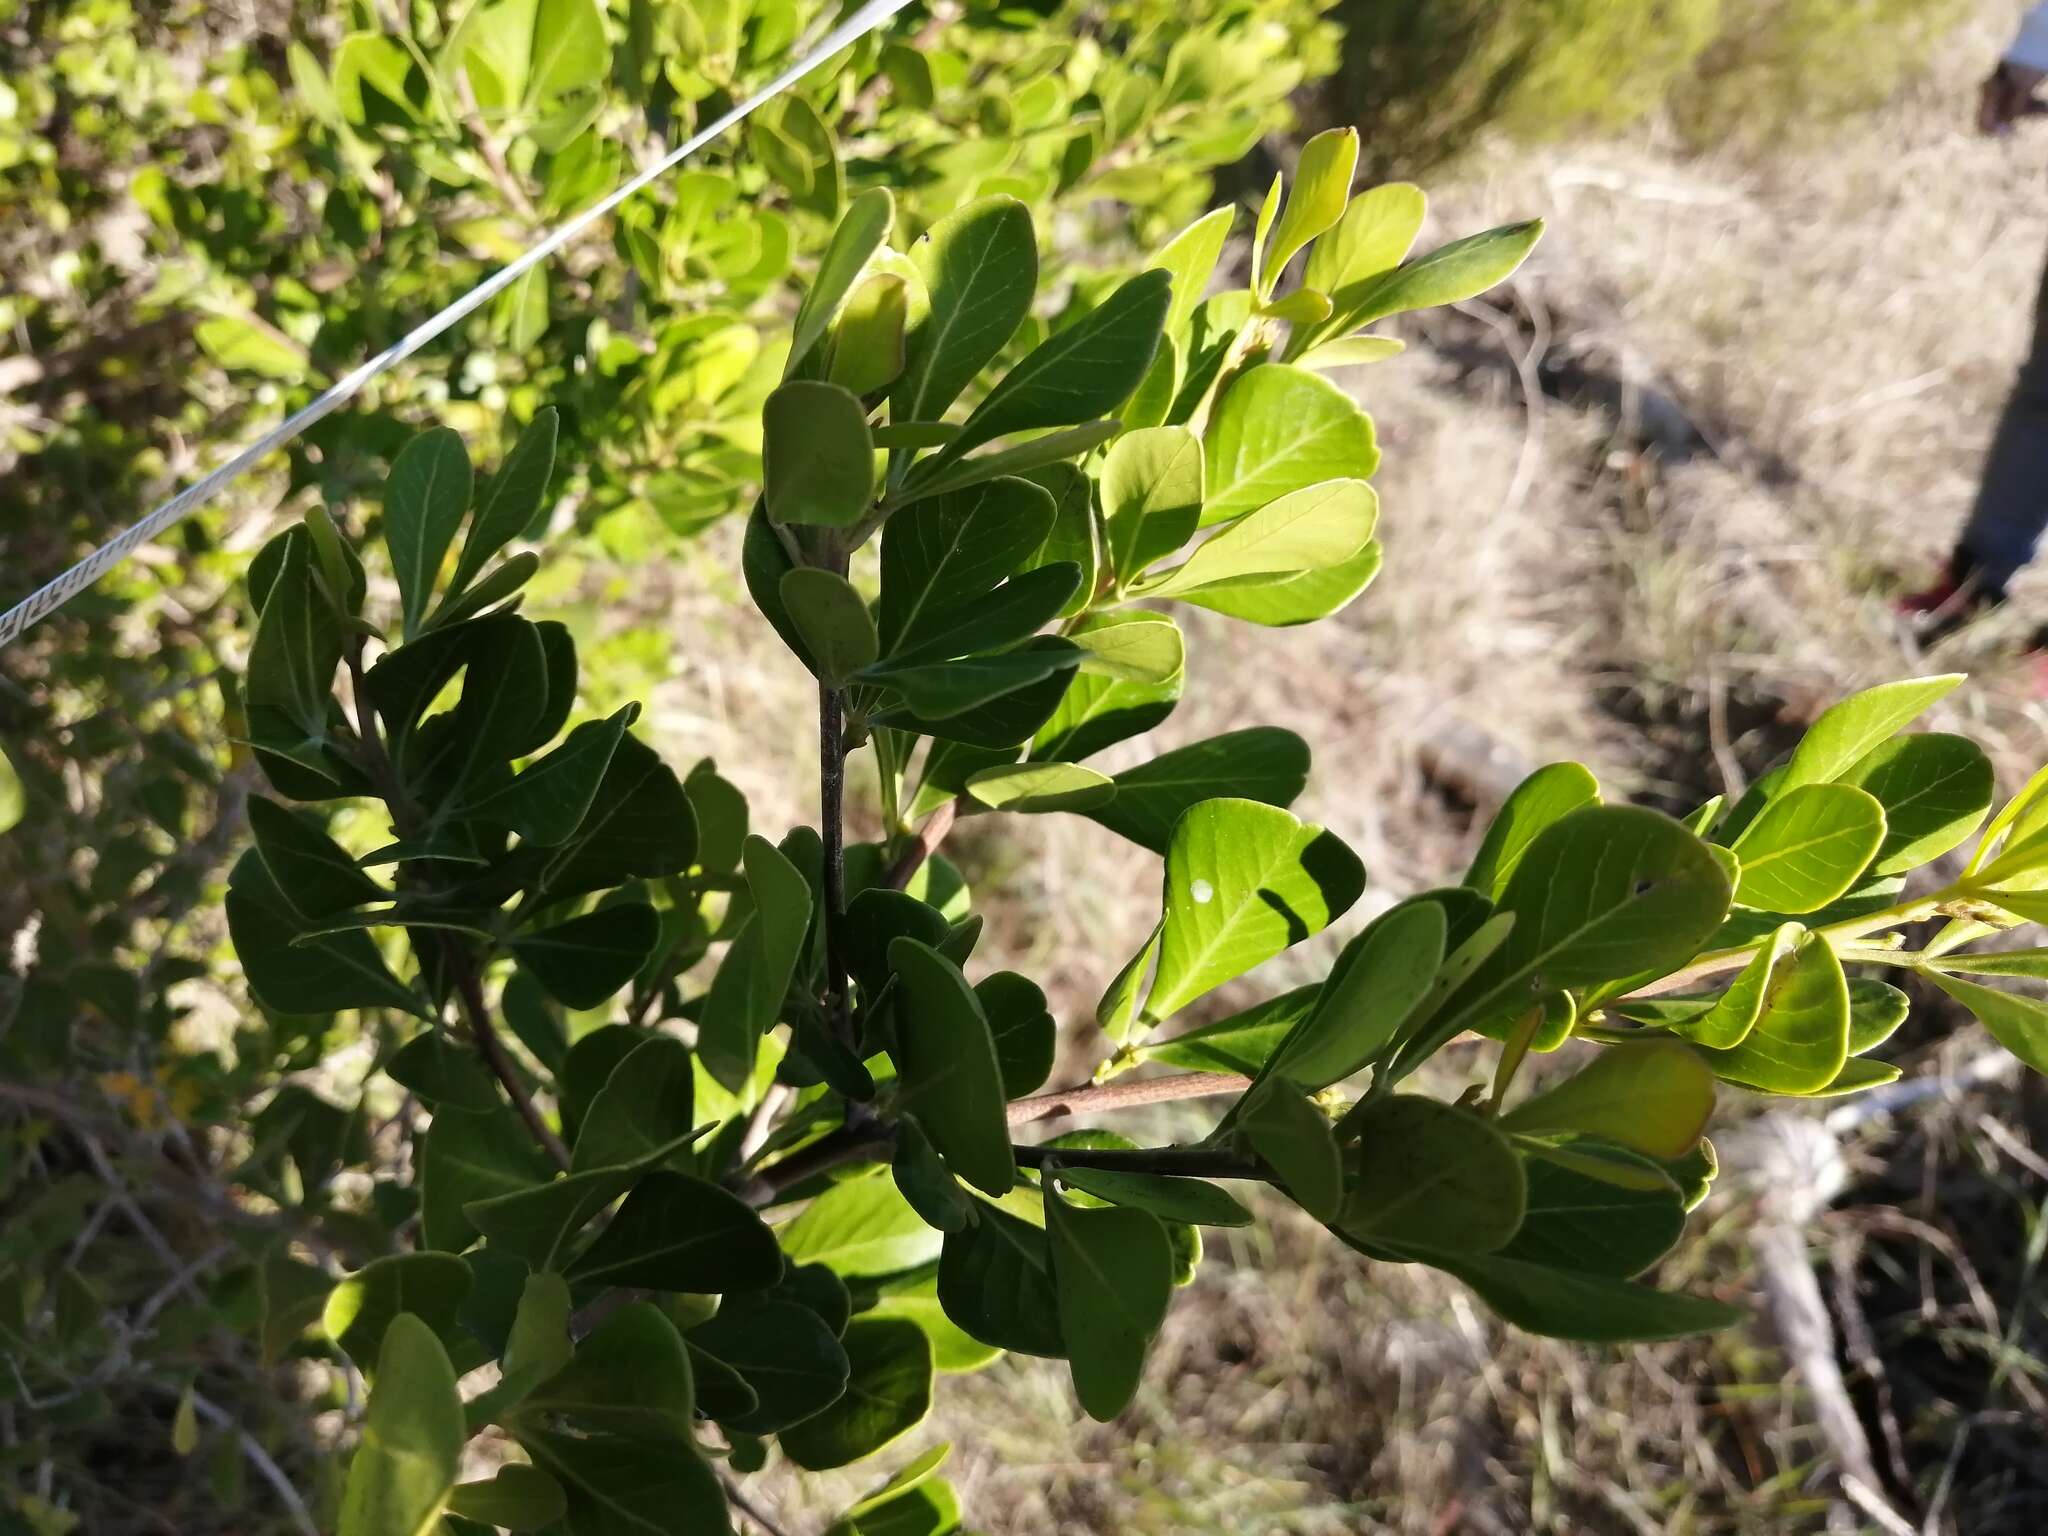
x,y
926,1183
1578,1219
943,555
1262,763
361,1308
677,1233
1244,1042
747,994
642,825
1380,978
512,500
644,1108
1292,1136
624,1488
818,461
946,1059
536,1223
1024,1032
468,1157
2020,1024
516,1498
888,1393
1431,1175
631,1378
980,266
1194,1201
838,630
1934,789
585,960
1593,1309
784,1352
549,799
1113,1271
442,1073
307,865
425,497
996,1284
340,971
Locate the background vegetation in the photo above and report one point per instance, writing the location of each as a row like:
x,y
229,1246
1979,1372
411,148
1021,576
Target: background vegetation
x,y
1742,390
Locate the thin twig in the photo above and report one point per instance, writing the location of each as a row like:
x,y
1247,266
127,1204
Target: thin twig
x,y
832,811
1189,1162
469,988
866,1141
924,845
1096,1098
259,1458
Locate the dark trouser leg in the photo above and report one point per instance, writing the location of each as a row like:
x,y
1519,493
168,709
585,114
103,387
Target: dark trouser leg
x,y
2012,503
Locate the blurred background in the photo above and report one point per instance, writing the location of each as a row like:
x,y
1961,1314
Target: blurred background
x,y
1650,505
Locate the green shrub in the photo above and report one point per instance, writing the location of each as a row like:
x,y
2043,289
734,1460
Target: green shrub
x,y
1424,78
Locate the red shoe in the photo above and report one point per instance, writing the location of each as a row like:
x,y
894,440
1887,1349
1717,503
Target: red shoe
x,y
1933,599
1940,610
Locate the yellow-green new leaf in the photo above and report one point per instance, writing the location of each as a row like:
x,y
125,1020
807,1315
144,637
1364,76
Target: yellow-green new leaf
x,y
1278,429
1808,847
1308,530
1322,183
1847,731
1037,788
1654,1097
1374,236
1151,496
1451,273
860,233
405,1464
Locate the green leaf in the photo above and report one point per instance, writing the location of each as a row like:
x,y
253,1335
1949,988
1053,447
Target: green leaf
x,y
405,1464
642,825
817,458
536,1350
1808,847
784,1351
244,343
360,1310
1727,1020
1934,789
1008,719
1447,275
1594,1309
859,234
1113,1271
888,1394
996,1284
1077,374
1849,731
1024,1032
468,1157
940,690
1244,1042
513,498
1005,615
1292,1135
297,646
868,341
861,1226
1281,601
625,1488
517,1498
925,1181
980,264
504,700
1380,978
308,866
584,961
1261,763
13,798
1431,1175
2020,1024
1243,882
1606,892
1315,528
340,971
1278,429
536,1223
1023,459
678,1233
1099,710
753,980
946,1059
630,1377
1876,1010
1548,795
1041,787
1653,1097
1352,351
1151,496
1859,1076
838,630
548,800
1193,1201
425,497
1262,226
1189,258
1117,1014
1581,1216
642,1110
2031,963
442,1073
1136,647
943,555
1374,236
1322,184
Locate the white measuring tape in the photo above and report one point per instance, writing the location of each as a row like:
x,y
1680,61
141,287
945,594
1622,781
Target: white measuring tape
x,y
40,605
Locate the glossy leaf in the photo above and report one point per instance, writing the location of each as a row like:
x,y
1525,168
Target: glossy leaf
x,y
1801,1036
861,1226
2020,1024
1849,731
980,265
1244,1042
1294,1138
1151,496
1807,847
1379,979
1260,763
859,234
1243,882
1322,185
1278,429
1316,528
1548,795
1613,1220
1935,790
1041,787
1448,275
784,1351
1374,235
678,1233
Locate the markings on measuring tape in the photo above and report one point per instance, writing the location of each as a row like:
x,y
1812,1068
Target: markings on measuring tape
x,y
41,604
